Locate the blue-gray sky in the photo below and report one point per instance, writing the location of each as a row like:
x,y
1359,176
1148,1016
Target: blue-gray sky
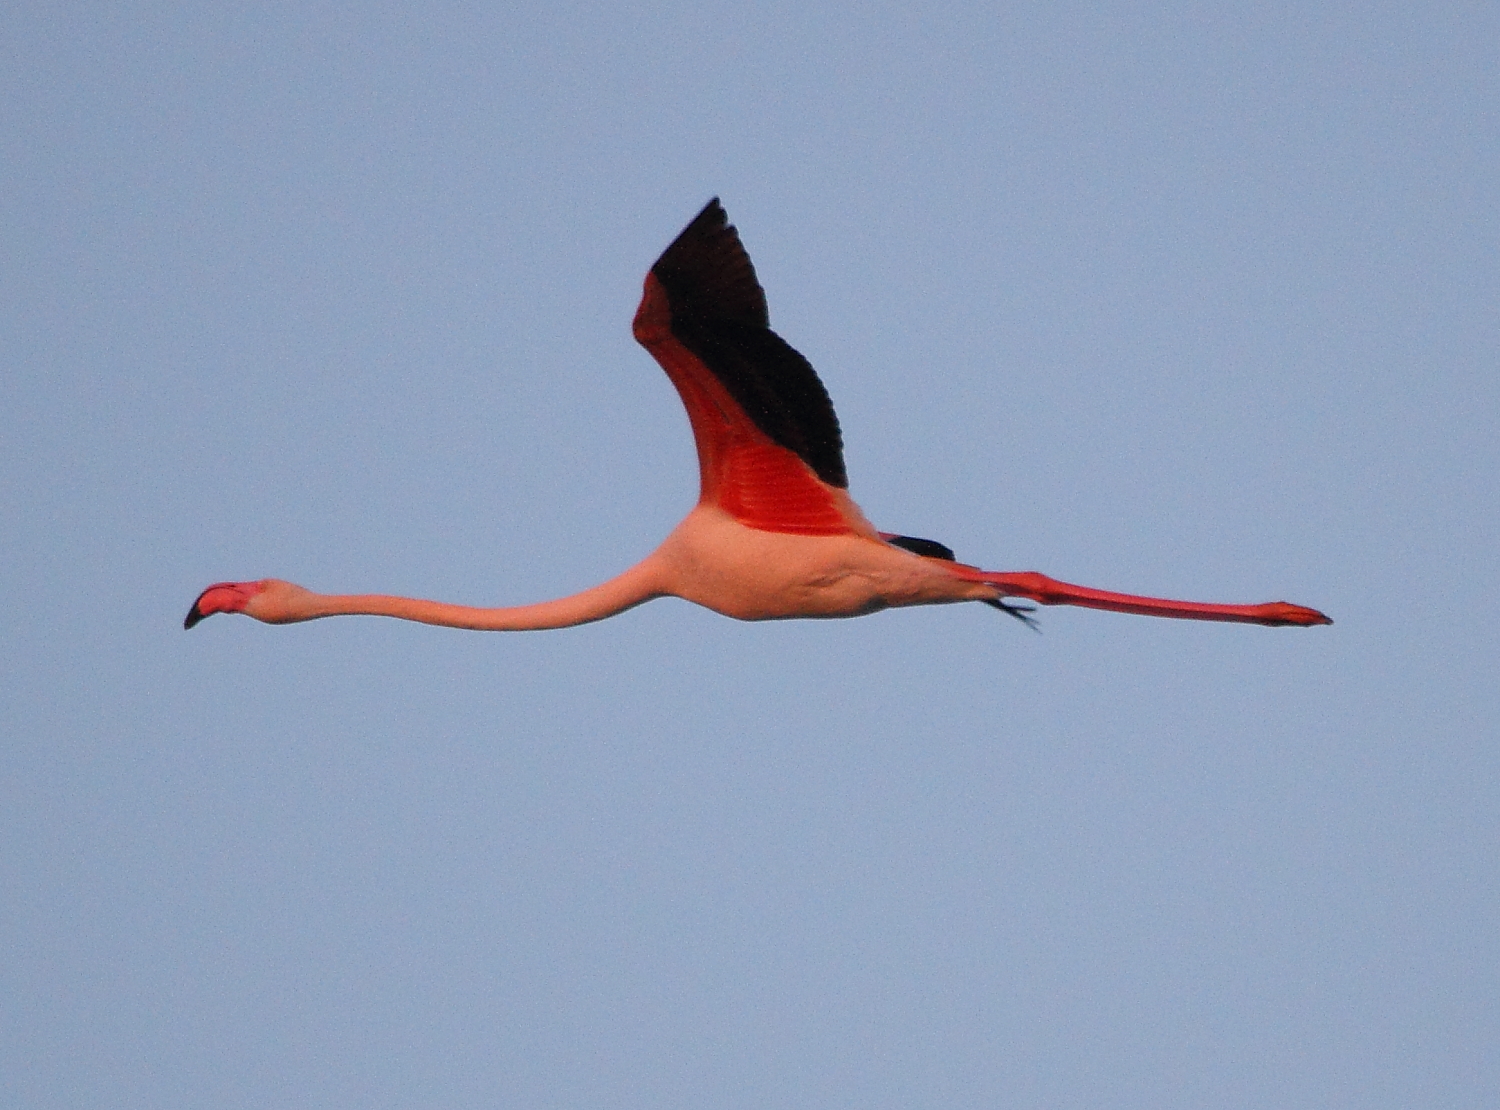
x,y
1163,297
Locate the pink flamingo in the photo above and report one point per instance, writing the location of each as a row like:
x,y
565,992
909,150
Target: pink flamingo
x,y
774,534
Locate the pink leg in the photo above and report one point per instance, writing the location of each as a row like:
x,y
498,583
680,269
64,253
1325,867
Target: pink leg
x,y
1048,591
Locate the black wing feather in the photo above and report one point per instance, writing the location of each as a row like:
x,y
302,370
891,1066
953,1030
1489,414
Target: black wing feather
x,y
719,313
930,548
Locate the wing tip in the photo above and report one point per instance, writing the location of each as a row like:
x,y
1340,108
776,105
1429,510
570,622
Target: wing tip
x,y
706,271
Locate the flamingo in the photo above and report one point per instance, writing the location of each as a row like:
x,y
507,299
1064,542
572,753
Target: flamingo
x,y
775,534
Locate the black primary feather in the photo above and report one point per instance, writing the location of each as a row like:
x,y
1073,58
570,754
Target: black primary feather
x,y
719,314
930,548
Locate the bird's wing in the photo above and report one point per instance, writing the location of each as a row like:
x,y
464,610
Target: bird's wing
x,y
769,451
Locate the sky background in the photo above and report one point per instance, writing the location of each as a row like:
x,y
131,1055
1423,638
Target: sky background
x,y
1189,300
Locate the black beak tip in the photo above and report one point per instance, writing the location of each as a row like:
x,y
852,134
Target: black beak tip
x,y
193,617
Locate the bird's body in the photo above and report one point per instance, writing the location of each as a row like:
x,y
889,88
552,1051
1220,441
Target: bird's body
x,y
775,534
750,574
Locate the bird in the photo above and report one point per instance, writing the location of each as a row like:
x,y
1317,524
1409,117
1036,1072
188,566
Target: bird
x,y
774,534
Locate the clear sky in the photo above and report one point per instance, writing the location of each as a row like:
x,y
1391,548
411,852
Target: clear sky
x,y
1180,299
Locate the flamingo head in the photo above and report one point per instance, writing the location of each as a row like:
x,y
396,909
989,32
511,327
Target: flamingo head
x,y
223,597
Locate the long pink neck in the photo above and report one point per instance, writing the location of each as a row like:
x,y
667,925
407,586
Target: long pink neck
x,y
639,584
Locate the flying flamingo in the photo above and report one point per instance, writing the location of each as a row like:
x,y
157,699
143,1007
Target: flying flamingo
x,y
775,534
